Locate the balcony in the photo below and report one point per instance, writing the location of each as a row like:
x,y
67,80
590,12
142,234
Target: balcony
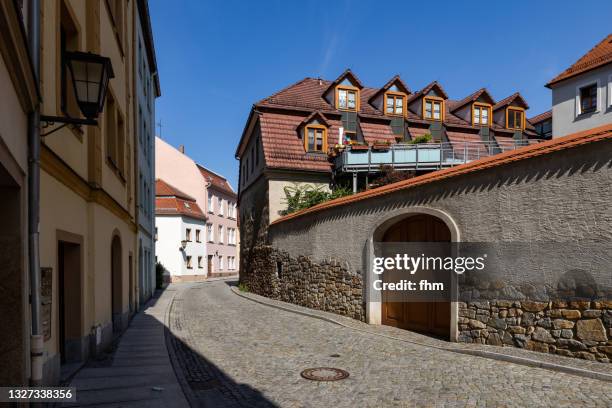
x,y
422,156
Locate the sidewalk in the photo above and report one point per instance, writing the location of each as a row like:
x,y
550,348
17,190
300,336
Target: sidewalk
x,y
140,373
583,368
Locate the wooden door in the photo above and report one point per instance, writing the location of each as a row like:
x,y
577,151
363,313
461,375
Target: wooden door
x,y
424,317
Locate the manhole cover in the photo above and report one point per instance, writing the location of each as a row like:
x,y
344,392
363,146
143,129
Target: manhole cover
x,y
324,374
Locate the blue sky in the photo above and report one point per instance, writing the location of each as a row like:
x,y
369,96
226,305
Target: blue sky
x,y
216,58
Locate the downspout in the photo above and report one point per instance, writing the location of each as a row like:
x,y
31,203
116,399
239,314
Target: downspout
x,y
36,341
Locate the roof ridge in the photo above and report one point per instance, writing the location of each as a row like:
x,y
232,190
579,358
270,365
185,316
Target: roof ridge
x,y
283,90
565,142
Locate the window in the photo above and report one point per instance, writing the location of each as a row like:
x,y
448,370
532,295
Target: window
x,y
231,236
588,99
220,262
433,108
316,138
481,114
69,41
221,207
188,262
515,118
209,233
188,234
347,98
199,262
220,234
197,233
116,11
231,263
394,104
210,203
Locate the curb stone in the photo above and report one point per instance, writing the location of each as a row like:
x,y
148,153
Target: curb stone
x,y
478,353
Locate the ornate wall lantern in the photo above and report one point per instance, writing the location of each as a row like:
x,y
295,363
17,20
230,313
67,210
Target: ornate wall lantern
x,y
90,75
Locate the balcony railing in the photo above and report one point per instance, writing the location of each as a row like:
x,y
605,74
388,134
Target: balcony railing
x,y
422,156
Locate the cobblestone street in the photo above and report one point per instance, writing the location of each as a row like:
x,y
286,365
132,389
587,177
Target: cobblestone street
x,y
230,351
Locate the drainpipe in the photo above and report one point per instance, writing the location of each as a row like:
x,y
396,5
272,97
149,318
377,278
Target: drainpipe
x,y
36,341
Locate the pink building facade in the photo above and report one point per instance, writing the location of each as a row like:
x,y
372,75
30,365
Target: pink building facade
x,y
214,195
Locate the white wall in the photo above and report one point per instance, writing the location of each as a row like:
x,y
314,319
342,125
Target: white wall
x,y
566,117
170,233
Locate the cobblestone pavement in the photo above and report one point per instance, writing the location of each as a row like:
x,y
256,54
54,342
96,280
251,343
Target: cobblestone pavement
x,y
235,352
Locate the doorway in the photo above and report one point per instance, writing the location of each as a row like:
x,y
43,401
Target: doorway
x,y
69,301
116,285
424,317
210,265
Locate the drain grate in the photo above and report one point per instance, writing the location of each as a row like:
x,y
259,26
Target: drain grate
x,y
324,374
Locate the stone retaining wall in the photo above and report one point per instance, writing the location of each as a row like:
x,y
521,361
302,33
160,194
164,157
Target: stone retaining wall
x,y
326,285
573,329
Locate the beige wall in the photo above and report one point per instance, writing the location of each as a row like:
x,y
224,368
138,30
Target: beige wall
x,y
81,193
276,190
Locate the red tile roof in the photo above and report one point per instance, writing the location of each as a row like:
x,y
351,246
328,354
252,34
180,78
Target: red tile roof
x,y
375,132
171,201
217,181
281,115
510,99
456,105
567,142
282,146
598,56
163,189
395,80
541,117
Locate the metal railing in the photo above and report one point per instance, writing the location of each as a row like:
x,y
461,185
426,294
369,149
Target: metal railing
x,y
421,156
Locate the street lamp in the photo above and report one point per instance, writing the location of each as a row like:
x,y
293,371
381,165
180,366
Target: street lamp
x,y
183,245
90,75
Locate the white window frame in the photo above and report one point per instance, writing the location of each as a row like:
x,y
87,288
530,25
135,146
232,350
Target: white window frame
x,y
584,84
610,90
220,262
221,209
211,202
210,233
220,231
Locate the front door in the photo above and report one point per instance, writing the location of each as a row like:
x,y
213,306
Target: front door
x,y
425,317
210,265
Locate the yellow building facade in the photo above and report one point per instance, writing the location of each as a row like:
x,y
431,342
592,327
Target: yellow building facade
x,y
87,207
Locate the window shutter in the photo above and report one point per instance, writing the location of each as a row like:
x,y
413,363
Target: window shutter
x,y
349,121
397,125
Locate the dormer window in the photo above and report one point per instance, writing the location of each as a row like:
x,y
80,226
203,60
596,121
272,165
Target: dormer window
x,y
515,118
433,108
315,138
347,98
394,103
481,114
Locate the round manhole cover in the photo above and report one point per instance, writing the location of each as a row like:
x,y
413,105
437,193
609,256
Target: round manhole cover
x,y
324,374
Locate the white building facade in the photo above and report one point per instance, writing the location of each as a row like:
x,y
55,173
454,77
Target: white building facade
x,y
180,243
146,90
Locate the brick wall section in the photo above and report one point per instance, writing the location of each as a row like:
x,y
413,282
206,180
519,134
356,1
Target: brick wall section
x,y
327,285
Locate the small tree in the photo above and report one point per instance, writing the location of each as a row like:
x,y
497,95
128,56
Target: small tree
x,y
299,197
159,275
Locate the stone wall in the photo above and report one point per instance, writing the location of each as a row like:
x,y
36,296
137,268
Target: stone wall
x,y
573,329
327,285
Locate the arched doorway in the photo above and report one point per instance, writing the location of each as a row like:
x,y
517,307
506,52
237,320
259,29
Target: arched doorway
x,y
425,317
116,284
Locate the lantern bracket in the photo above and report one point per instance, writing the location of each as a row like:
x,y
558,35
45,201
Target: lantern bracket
x,y
47,121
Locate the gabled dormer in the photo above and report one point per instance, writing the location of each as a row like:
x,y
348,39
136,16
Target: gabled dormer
x,y
344,93
314,132
510,112
391,98
476,109
429,103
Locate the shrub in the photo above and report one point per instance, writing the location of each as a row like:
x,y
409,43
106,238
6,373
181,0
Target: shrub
x,y
243,287
159,275
426,138
299,197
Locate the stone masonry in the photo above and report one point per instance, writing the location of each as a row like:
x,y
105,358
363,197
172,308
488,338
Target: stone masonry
x,y
328,285
580,329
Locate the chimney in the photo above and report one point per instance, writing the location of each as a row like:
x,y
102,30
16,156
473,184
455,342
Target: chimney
x,y
182,149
